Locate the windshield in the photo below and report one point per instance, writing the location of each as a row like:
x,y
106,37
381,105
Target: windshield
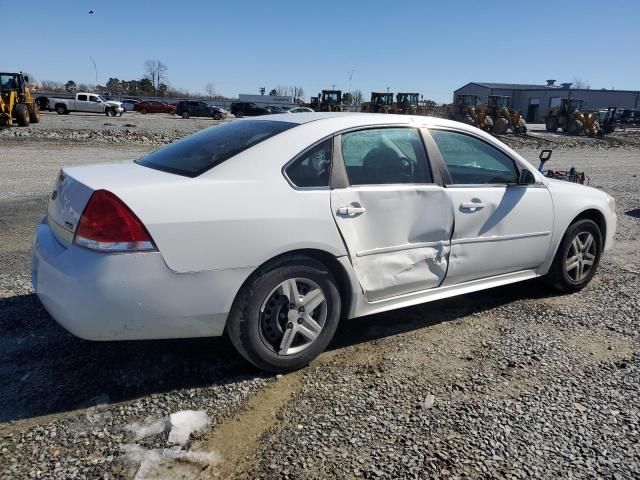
x,y
8,82
102,99
202,151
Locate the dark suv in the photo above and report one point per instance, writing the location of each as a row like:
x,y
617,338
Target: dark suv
x,y
248,109
198,108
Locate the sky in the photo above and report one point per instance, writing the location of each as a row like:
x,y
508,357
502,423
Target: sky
x,y
241,45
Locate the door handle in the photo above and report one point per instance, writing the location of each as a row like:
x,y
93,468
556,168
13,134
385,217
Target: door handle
x,y
350,210
472,205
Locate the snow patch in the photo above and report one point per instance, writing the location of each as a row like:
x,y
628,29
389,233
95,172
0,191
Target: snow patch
x,y
159,464
186,422
150,426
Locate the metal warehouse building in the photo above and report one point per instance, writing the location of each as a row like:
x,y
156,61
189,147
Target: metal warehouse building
x,y
533,101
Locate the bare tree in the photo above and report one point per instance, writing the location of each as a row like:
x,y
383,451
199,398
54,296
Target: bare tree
x,y
295,92
210,89
357,97
70,86
580,83
156,71
278,91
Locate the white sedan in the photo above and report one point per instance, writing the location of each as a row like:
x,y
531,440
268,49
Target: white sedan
x,y
273,229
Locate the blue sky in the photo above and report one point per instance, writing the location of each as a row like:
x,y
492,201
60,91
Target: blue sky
x,y
241,45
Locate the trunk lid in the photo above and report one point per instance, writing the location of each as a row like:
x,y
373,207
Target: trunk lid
x,y
75,185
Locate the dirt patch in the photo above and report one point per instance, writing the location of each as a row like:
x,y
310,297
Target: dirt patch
x,y
236,439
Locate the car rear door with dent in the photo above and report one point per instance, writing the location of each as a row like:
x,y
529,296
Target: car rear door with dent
x,y
394,216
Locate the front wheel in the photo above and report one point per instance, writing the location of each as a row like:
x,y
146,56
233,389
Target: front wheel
x,y
185,115
217,116
577,257
285,315
110,112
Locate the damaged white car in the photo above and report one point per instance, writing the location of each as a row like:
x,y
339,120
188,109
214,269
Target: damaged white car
x,y
273,229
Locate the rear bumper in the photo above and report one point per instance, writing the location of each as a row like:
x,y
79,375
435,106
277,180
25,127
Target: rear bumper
x,y
131,296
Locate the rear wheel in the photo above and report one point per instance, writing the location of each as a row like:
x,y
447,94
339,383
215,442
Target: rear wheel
x,y
34,113
577,257
143,111
286,315
21,112
61,110
552,124
185,115
239,114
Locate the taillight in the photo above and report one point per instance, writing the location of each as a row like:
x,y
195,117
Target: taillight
x,y
108,225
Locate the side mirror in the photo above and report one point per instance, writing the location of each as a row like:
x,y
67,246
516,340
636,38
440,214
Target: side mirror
x,y
545,156
526,177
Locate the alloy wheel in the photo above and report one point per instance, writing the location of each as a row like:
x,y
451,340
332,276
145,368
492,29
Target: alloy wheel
x,y
292,316
581,256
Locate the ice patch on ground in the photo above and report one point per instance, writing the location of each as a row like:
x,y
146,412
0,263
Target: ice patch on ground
x,y
186,422
168,463
150,426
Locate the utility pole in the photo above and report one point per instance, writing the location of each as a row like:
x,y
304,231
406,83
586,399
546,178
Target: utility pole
x,y
350,76
95,69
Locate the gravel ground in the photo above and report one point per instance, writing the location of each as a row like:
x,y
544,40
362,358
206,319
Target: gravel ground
x,y
511,383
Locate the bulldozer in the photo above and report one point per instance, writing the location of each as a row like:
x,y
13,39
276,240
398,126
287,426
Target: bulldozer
x,y
16,102
407,104
568,117
381,102
330,101
501,117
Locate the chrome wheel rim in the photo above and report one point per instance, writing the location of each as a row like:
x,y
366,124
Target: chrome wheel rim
x,y
293,316
581,256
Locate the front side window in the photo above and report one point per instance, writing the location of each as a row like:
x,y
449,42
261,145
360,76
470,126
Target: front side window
x,y
385,156
471,161
312,169
94,99
202,151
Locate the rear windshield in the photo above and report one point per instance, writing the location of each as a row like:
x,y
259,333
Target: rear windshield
x,y
202,151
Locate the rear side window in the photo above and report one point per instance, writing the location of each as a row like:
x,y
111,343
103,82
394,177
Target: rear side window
x,y
202,151
312,168
82,98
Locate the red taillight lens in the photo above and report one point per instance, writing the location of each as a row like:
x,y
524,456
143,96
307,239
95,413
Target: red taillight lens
x,y
108,225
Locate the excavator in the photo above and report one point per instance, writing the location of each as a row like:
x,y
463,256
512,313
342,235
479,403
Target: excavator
x,y
16,102
381,102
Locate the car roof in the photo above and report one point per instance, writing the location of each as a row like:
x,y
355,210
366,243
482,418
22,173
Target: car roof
x,y
363,118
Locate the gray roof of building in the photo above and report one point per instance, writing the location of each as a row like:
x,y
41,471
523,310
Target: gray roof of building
x,y
513,86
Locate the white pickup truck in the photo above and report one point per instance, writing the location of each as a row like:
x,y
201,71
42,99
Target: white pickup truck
x,y
86,102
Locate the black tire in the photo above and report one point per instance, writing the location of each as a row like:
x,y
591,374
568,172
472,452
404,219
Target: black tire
x,y
574,127
239,114
21,112
143,111
110,112
61,110
34,113
552,124
244,326
501,126
185,115
217,116
558,276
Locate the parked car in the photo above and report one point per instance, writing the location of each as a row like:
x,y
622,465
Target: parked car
x,y
274,229
86,102
199,108
248,109
275,109
154,106
301,110
129,103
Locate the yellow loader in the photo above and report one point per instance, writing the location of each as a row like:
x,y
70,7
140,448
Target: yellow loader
x,y
16,102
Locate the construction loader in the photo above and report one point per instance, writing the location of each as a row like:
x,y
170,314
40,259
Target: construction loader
x,y
567,116
463,109
381,102
502,117
330,101
407,104
16,102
